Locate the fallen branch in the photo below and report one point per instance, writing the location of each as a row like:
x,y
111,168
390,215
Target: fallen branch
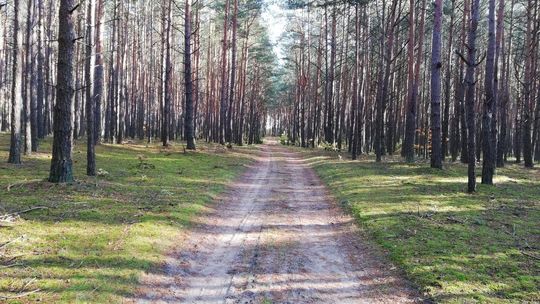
x,y
9,242
8,188
10,265
529,255
21,295
453,219
5,224
25,211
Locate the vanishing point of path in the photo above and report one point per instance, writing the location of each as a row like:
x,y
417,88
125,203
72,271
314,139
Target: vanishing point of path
x,y
276,237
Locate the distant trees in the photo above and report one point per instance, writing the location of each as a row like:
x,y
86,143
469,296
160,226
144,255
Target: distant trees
x,y
356,76
114,74
488,116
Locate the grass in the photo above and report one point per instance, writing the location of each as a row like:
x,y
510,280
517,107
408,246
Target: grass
x,y
458,247
97,236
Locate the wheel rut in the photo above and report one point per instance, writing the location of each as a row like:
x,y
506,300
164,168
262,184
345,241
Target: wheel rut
x,y
277,237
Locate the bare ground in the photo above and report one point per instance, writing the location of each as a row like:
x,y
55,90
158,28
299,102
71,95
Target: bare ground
x,y
277,237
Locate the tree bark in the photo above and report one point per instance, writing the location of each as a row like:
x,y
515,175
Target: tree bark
x,y
224,83
90,127
61,163
470,94
410,124
98,70
488,161
447,86
436,64
16,86
188,118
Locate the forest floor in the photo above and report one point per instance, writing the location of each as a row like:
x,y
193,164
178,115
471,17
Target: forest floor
x,y
276,237
89,242
258,225
458,247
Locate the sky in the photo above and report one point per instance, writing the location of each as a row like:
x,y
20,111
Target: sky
x,y
274,16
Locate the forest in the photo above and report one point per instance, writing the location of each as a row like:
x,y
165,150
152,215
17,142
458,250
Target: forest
x,y
267,151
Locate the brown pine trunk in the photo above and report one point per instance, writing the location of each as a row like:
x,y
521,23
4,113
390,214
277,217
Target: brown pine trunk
x,y
224,83
228,130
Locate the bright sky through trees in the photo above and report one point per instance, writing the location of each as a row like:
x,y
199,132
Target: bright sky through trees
x,y
275,19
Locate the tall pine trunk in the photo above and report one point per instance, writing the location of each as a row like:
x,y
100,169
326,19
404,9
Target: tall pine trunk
x,y
447,86
98,70
16,86
470,94
90,128
410,119
224,83
61,163
188,118
436,156
488,115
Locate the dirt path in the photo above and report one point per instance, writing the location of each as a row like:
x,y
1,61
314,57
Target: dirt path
x,y
276,238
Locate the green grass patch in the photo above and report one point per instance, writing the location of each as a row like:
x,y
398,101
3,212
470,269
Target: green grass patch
x,y
458,247
93,239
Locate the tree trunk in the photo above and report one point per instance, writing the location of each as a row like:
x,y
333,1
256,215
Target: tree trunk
x,y
167,77
40,91
470,94
447,86
188,118
230,108
27,86
436,64
527,90
16,86
488,164
355,95
410,124
90,127
98,70
61,163
224,83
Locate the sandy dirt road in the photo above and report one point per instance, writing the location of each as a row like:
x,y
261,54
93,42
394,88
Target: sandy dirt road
x,y
276,237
